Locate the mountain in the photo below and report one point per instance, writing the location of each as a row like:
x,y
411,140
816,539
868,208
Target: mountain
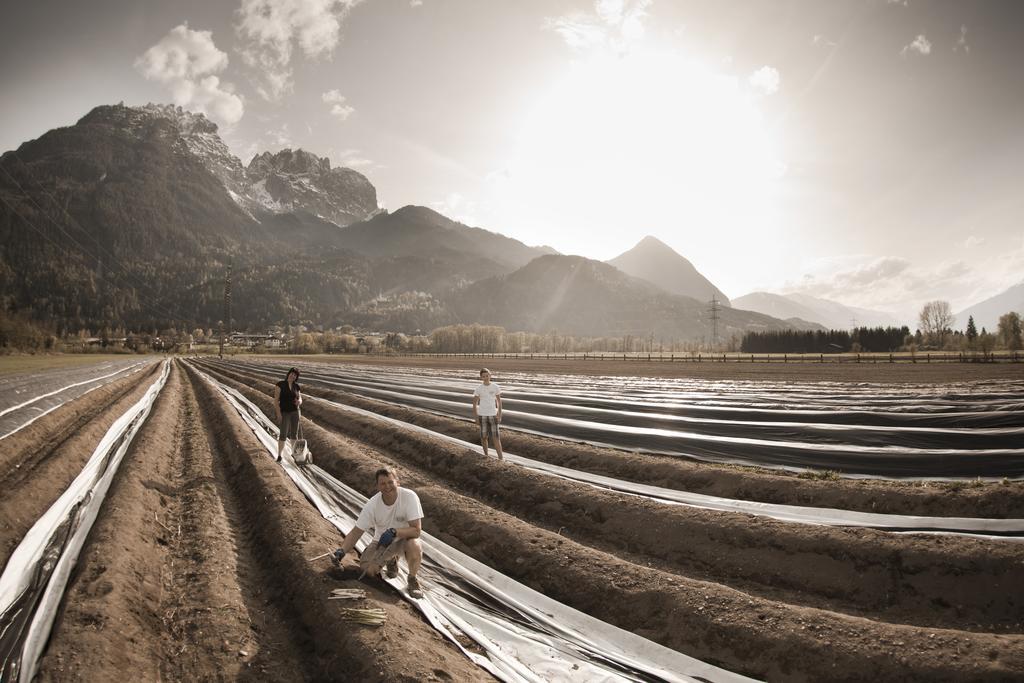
x,y
419,231
986,313
132,216
579,296
297,180
831,314
775,305
125,217
286,182
654,261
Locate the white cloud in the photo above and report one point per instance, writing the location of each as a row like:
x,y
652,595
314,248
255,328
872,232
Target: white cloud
x,y
921,45
415,3
271,140
458,208
974,241
186,61
895,284
498,176
961,43
613,23
338,107
353,158
270,29
281,137
822,41
766,79
1004,271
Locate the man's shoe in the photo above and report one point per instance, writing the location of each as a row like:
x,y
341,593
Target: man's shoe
x,y
392,568
414,588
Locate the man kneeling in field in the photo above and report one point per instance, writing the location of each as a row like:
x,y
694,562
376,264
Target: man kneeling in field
x,y
394,516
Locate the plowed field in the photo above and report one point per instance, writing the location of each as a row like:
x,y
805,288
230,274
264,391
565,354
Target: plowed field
x,y
201,563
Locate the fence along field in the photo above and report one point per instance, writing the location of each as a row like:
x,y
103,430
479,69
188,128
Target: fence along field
x,y
737,357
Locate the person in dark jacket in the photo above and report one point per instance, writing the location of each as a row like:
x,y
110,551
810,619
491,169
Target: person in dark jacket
x,y
287,399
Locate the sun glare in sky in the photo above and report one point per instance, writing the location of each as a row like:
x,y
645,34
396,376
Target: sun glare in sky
x,y
644,142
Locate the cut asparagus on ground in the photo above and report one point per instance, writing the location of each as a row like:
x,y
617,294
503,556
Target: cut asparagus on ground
x,y
372,616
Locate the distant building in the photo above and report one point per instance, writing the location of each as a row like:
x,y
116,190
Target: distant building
x,y
251,341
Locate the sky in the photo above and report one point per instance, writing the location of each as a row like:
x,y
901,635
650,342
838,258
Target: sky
x,y
866,151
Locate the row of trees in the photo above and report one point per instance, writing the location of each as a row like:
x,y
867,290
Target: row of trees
x,y
796,341
877,339
483,339
494,339
19,333
936,322
935,333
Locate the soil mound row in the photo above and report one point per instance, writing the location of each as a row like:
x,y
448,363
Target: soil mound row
x,y
927,580
977,499
740,631
856,430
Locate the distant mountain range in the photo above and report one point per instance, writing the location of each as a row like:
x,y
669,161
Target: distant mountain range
x,y
830,314
654,261
419,231
579,296
987,313
133,215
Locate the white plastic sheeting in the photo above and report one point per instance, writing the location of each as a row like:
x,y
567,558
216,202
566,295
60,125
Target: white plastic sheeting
x,y
996,529
1004,529
952,432
525,635
33,582
51,406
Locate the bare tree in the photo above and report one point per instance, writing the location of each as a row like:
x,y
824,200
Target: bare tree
x,y
1009,331
936,320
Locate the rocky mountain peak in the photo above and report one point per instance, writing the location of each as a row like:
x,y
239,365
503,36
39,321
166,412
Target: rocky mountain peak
x,y
293,162
134,119
300,180
283,182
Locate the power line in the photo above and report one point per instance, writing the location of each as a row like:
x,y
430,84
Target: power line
x,y
714,308
226,321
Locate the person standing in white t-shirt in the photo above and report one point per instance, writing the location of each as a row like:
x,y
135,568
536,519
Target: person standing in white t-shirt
x,y
394,517
487,411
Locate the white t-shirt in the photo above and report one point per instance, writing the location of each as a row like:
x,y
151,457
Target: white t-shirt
x,y
377,517
488,394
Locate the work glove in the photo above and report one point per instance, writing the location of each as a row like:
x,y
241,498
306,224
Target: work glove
x,y
386,538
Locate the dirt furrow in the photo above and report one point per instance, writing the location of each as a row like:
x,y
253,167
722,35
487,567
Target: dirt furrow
x,y
214,615
196,570
949,582
155,592
283,532
716,623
